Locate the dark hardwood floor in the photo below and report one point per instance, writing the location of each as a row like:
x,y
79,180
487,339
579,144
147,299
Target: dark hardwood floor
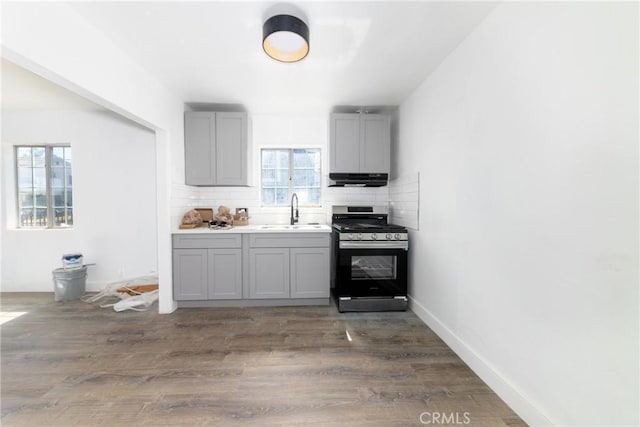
x,y
75,364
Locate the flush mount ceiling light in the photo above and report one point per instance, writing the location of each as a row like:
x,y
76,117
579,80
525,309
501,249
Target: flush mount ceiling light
x,y
285,38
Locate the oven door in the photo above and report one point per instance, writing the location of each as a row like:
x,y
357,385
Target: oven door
x,y
371,272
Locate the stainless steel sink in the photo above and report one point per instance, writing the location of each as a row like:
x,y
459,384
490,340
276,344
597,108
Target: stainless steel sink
x,y
290,227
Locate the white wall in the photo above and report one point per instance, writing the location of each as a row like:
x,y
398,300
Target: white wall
x,y
113,164
80,58
526,262
278,131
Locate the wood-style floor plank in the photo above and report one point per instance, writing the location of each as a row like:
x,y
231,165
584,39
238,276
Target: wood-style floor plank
x,y
75,364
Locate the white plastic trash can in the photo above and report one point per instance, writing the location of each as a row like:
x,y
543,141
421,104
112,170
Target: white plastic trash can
x,y
69,284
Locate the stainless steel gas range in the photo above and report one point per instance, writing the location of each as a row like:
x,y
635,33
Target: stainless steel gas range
x,y
369,260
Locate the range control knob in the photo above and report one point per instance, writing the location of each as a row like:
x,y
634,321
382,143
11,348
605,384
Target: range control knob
x,y
374,236
397,236
389,236
350,236
359,236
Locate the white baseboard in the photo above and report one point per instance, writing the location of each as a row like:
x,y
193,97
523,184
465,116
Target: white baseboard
x,y
521,405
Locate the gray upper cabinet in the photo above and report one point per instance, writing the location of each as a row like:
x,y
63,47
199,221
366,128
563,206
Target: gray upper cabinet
x,y
231,149
200,148
375,143
359,143
344,150
216,148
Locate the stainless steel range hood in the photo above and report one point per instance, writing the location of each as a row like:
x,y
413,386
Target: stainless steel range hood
x,y
358,179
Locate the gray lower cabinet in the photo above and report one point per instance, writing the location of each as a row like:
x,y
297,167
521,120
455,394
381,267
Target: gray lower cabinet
x,y
207,267
225,274
281,267
294,266
269,275
190,274
309,272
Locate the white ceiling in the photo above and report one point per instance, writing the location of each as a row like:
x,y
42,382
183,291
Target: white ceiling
x,y
362,53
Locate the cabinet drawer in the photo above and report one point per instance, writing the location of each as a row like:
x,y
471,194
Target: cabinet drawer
x,y
205,241
289,240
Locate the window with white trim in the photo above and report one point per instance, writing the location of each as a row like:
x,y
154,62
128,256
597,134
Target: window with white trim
x,y
288,171
44,186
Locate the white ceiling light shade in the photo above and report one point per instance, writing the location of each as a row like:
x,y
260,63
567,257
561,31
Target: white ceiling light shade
x,y
285,38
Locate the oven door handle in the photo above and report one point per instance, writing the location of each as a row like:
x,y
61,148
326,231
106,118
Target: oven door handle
x,y
375,245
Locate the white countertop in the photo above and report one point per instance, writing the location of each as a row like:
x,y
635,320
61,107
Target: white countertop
x,y
263,228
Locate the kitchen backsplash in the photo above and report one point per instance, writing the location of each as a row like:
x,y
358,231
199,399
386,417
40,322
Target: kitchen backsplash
x,y
404,200
186,197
